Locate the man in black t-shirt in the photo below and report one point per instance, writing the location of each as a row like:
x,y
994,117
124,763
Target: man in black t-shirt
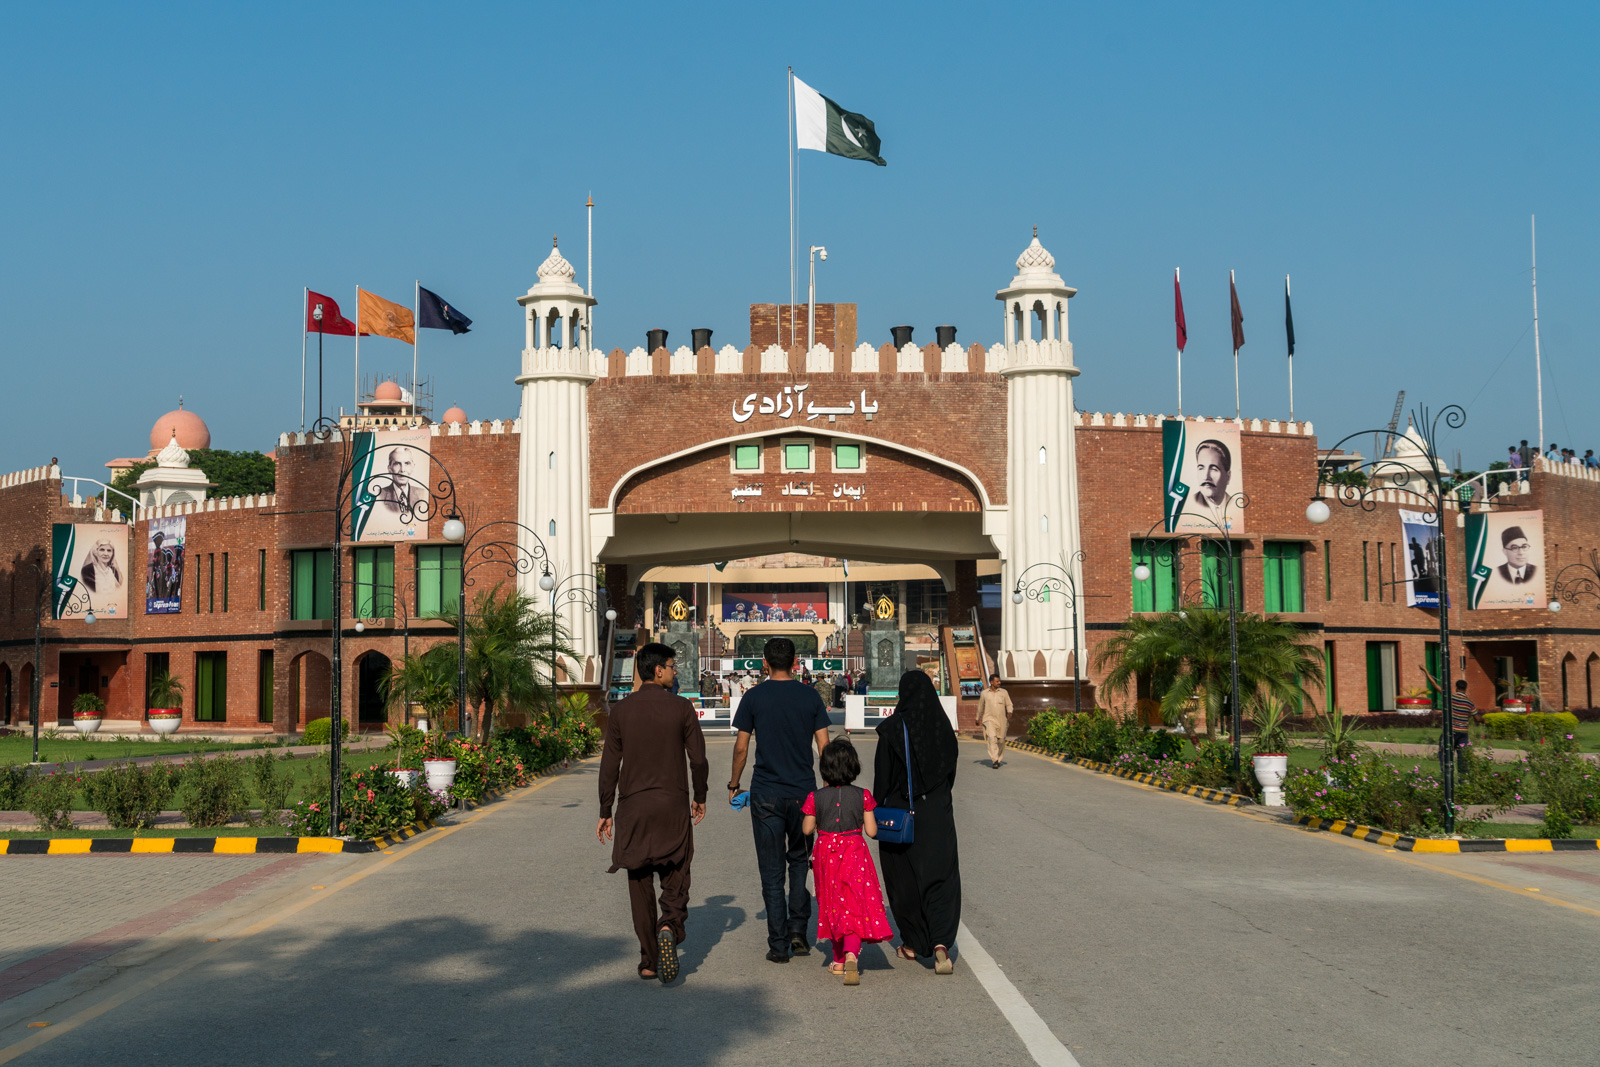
x,y
789,718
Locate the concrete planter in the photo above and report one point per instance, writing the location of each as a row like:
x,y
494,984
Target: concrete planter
x,y
1270,769
1413,705
408,779
86,724
166,722
441,774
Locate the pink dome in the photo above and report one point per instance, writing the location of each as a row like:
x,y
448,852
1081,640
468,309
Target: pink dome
x,y
191,430
387,391
455,414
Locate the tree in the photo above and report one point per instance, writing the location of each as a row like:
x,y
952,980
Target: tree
x,y
235,473
428,679
1189,651
510,646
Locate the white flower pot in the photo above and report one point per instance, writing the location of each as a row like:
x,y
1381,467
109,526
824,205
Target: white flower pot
x,y
86,726
166,724
1270,770
422,724
441,773
408,779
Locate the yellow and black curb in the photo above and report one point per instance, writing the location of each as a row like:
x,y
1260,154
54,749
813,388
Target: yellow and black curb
x,y
235,846
1405,843
1215,796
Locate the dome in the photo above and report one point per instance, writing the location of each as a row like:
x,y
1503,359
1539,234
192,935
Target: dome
x,y
388,391
556,266
1035,259
190,430
455,414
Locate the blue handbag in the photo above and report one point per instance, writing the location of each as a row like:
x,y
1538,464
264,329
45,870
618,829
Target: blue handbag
x,y
898,826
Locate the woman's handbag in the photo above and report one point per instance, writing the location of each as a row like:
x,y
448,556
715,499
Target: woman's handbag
x,y
897,826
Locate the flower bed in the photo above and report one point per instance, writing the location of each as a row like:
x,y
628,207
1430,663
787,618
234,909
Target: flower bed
x,y
1130,745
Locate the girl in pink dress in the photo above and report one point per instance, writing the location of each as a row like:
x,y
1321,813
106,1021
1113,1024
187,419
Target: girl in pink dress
x,y
849,899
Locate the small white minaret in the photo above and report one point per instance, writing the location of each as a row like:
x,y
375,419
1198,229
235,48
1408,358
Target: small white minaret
x,y
1041,470
558,364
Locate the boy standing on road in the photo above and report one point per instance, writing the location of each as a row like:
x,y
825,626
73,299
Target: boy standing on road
x,y
788,718
994,715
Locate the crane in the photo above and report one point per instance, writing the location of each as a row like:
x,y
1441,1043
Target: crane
x,y
1394,422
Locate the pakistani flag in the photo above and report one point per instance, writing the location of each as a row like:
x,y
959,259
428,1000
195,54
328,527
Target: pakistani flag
x,y
1174,446
63,544
1478,571
362,497
823,126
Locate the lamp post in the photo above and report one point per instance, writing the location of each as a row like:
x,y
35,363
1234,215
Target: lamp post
x,y
79,599
1577,581
811,300
358,493
1387,474
577,594
1039,589
1153,549
405,627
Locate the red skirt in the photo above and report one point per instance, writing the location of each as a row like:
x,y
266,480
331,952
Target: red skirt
x,y
849,899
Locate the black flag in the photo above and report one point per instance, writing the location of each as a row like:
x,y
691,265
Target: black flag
x,y
1288,315
434,313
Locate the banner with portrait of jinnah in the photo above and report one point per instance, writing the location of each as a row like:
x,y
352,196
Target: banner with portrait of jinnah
x,y
392,480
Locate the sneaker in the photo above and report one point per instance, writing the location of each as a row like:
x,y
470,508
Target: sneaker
x,y
775,956
798,946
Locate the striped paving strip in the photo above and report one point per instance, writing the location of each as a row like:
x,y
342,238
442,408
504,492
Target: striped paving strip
x,y
1215,796
233,846
1405,843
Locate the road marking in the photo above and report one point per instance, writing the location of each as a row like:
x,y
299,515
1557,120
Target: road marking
x,y
1043,1045
94,1011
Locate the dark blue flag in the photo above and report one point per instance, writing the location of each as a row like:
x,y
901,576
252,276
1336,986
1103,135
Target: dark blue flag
x,y
435,313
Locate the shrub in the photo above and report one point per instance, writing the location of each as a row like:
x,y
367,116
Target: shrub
x,y
1338,732
373,802
50,799
1370,790
1533,725
273,785
14,785
131,796
319,731
214,792
88,704
1565,778
1270,734
1483,780
1557,823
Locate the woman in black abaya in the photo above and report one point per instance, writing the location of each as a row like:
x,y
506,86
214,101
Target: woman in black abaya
x,y
922,879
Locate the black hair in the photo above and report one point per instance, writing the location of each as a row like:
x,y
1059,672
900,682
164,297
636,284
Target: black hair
x,y
839,763
1461,684
779,654
993,676
1221,450
651,656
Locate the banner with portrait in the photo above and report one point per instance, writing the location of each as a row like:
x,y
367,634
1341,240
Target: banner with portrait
x,y
163,567
89,565
392,474
1202,474
1419,538
1505,559
788,605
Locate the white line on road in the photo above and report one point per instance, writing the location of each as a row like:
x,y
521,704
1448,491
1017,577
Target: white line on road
x,y
1043,1045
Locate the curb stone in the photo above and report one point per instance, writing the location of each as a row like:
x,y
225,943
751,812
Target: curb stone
x,y
1215,796
1405,843
238,846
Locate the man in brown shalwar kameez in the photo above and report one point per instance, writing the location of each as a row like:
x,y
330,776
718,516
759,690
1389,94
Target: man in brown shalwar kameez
x,y
653,740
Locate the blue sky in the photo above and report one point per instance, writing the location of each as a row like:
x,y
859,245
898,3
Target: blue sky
x,y
175,174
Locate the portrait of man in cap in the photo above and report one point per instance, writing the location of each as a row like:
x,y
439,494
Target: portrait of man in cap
x,y
1516,545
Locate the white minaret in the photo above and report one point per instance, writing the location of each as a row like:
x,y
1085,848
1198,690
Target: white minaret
x,y
1041,471
558,363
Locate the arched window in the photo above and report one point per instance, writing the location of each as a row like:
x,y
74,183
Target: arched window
x,y
552,461
1036,323
1042,455
552,527
553,326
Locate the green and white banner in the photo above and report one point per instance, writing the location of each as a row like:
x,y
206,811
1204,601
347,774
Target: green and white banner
x,y
1505,560
391,498
64,542
1174,449
1203,490
823,126
1478,571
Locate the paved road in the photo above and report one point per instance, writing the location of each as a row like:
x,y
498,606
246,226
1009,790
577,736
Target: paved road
x,y
1123,926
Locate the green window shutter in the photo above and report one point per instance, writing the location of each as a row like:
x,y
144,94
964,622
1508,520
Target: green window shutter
x,y
1160,592
1374,677
450,578
796,457
1294,597
1272,584
1430,659
847,457
1143,592
1214,577
202,687
746,457
427,581
364,606
1330,690
322,606
384,579
302,593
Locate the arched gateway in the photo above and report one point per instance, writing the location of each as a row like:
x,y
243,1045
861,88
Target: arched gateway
x,y
938,456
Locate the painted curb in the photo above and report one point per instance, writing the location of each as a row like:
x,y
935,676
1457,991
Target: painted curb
x,y
238,846
1404,843
1215,796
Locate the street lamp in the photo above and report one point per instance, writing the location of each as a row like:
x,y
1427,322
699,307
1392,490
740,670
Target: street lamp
x,y
1577,581
80,600
578,595
811,302
1039,589
510,554
1386,474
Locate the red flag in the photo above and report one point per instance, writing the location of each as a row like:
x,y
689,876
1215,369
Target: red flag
x,y
1238,316
1177,311
332,322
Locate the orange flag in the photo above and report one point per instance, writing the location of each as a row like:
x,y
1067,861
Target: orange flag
x,y
384,318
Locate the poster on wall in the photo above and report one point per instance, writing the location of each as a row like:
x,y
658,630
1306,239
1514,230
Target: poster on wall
x,y
1505,559
89,561
392,477
164,558
1201,473
788,605
1419,537
969,665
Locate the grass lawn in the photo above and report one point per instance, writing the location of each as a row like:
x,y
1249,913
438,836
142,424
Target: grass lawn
x,y
1587,733
304,770
1527,829
18,748
214,831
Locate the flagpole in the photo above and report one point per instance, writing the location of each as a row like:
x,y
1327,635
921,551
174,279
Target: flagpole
x,y
305,302
791,210
416,336
358,349
590,312
1538,369
1291,353
1177,281
1237,410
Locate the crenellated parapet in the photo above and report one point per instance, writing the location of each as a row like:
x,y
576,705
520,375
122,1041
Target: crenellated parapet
x,y
49,472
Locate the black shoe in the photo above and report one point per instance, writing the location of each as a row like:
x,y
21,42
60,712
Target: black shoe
x,y
667,955
775,956
798,946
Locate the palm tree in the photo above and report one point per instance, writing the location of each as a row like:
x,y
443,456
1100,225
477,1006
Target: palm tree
x,y
1188,650
428,679
510,647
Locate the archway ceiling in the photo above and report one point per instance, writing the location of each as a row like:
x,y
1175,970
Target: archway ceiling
x,y
885,537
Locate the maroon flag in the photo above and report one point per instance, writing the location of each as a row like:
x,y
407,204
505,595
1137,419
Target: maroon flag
x,y
1177,311
1238,316
332,322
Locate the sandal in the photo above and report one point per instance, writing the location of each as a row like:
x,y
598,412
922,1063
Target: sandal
x,y
941,961
836,968
906,953
667,953
852,970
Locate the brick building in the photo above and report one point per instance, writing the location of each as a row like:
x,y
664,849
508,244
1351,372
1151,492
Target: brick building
x,y
942,473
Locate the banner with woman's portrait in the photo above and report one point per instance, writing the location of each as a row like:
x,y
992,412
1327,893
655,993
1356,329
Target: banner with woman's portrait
x,y
1202,473
392,498
1505,559
89,565
163,566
